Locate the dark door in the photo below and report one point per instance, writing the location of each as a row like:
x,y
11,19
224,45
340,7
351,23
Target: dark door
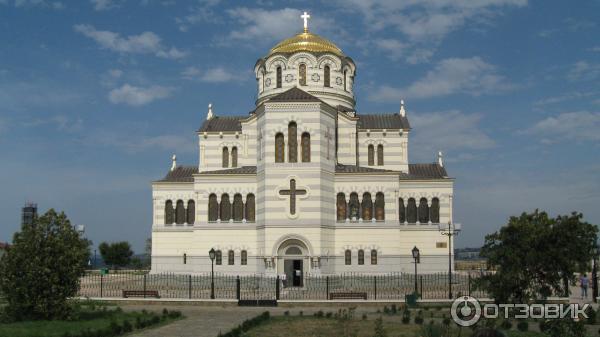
x,y
298,277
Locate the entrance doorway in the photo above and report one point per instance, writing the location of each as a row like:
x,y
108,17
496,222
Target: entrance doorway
x,y
293,273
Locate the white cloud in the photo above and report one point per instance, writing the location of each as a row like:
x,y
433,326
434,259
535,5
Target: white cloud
x,y
450,131
595,49
392,48
566,97
577,126
584,71
144,43
38,3
37,93
138,96
470,76
198,14
102,5
265,25
212,75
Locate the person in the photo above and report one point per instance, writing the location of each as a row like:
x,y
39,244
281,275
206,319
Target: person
x,y
584,282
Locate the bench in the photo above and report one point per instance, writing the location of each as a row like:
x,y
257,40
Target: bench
x,y
140,293
348,296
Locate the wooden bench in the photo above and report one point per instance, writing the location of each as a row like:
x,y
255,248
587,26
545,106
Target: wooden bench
x,y
348,296
140,293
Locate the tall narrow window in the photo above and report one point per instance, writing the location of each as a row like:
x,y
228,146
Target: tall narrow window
x,y
305,147
230,257
225,210
169,216
341,207
250,208
179,213
279,148
348,257
401,211
380,155
367,207
371,155
278,80
423,211
263,80
354,206
327,76
379,206
345,75
244,258
218,258
361,257
191,212
184,258
238,208
373,256
292,143
434,211
302,74
213,207
225,158
234,154
411,211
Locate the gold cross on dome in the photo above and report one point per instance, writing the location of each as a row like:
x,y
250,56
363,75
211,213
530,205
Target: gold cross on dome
x,y
305,16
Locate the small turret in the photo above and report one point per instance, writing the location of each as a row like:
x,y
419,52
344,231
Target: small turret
x,y
440,159
210,114
402,111
174,162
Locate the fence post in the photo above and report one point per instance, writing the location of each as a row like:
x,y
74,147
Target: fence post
x,y
238,288
421,281
101,284
144,285
277,288
469,285
327,286
190,286
375,283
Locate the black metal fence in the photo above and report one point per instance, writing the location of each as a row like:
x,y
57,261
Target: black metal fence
x,y
260,287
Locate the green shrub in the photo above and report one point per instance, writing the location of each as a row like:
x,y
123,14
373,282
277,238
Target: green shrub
x,y
394,309
419,319
386,310
364,317
286,313
591,313
431,330
329,314
523,325
506,325
406,316
127,327
379,330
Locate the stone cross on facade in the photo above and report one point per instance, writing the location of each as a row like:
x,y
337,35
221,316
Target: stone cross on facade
x,y
305,16
292,192
328,136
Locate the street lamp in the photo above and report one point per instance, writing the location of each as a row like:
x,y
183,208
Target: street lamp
x,y
211,254
417,256
450,231
595,251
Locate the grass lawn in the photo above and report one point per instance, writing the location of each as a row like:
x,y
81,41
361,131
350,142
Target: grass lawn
x,y
94,320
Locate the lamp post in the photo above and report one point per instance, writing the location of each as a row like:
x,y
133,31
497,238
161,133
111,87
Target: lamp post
x,y
450,231
595,274
417,256
211,254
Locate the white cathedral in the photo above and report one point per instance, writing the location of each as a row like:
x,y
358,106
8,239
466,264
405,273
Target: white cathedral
x,y
303,184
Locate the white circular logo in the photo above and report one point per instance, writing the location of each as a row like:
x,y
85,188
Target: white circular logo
x,y
466,311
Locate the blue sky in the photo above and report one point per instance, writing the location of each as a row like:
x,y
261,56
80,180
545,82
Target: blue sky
x,y
95,96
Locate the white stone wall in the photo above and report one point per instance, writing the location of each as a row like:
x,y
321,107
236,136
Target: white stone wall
x,y
346,138
395,148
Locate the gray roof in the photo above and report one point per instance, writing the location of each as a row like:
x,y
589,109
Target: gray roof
x,y
295,94
222,123
237,170
425,171
383,121
181,174
341,168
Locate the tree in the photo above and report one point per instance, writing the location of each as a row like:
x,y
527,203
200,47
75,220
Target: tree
x,y
41,270
533,255
116,254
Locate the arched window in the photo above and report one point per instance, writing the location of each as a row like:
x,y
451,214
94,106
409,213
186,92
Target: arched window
x,y
250,208
305,147
423,211
327,76
225,211
218,258
230,257
367,207
191,212
379,206
348,257
380,155
361,257
234,154
278,80
244,258
225,159
302,74
373,256
341,207
169,218
411,211
354,206
371,155
213,207
292,142
184,258
279,148
434,211
401,211
238,208
262,73
345,75
179,213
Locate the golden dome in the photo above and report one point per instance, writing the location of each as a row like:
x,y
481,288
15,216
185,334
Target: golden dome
x,y
306,41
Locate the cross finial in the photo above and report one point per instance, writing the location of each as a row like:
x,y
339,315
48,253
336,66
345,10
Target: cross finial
x,y
210,114
402,111
305,16
174,162
440,159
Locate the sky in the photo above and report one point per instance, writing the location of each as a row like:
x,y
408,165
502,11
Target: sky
x,y
95,97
